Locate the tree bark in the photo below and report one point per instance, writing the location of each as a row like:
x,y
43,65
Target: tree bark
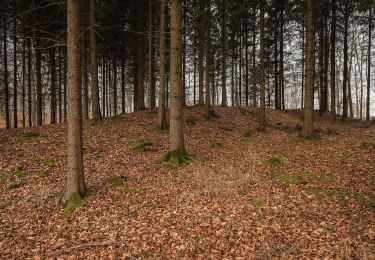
x,y
38,68
15,70
224,50
262,114
162,121
176,120
369,65
333,62
75,176
200,57
308,124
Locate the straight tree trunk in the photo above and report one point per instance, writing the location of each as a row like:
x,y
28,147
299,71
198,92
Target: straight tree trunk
x,y
369,64
281,71
114,86
15,70
24,83
95,102
303,61
60,85
38,71
254,77
224,50
333,62
52,65
326,65
262,114
140,59
6,83
207,107
75,176
200,58
29,94
123,85
65,84
277,106
345,71
85,92
162,121
177,147
308,123
104,75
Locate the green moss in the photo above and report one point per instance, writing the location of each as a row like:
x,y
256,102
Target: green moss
x,y
368,144
336,192
19,172
243,193
117,181
327,178
371,204
247,135
258,203
74,202
217,144
273,161
316,191
360,197
42,173
136,135
49,162
132,191
87,148
140,146
14,185
176,158
30,136
287,180
200,238
303,139
35,159
310,176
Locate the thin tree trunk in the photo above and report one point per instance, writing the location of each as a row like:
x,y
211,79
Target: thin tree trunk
x,y
151,86
333,62
308,123
38,68
208,63
52,65
24,83
15,70
224,50
262,115
123,85
29,94
6,83
345,71
162,121
369,65
200,58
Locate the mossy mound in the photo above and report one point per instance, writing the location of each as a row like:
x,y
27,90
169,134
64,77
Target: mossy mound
x,y
273,161
30,136
176,158
140,146
74,202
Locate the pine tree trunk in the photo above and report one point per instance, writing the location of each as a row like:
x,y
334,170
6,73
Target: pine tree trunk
x,y
200,57
38,68
333,62
224,50
24,83
262,115
95,101
123,86
207,105
151,85
176,120
29,72
308,126
162,121
15,70
369,65
52,65
114,86
6,83
345,71
75,176
85,92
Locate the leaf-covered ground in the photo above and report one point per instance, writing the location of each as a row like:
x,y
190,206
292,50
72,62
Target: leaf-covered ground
x,y
245,195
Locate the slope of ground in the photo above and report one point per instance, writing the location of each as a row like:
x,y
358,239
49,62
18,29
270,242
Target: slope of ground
x,y
245,195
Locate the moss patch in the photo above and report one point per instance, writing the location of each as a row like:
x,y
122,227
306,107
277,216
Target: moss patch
x,y
176,158
30,136
140,146
310,177
117,181
217,145
14,185
368,144
74,202
273,161
247,135
19,172
286,180
42,173
302,139
49,162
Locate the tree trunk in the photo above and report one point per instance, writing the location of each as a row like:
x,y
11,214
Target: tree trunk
x,y
52,68
123,85
85,92
6,83
38,68
75,176
162,121
200,57
345,71
29,94
24,83
224,50
140,58
207,106
281,71
369,64
254,77
308,125
95,102
15,70
262,115
333,62
151,86
277,106
177,148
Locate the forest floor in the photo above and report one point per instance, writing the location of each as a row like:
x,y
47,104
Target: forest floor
x,y
245,195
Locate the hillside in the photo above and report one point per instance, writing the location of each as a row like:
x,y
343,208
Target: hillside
x,y
246,194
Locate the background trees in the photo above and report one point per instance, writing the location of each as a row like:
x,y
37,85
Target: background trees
x,y
124,40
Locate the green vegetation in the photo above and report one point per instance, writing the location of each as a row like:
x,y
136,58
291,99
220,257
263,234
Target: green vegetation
x,y
273,161
368,144
140,146
327,178
49,162
117,181
136,135
14,185
191,121
87,148
74,202
260,208
30,136
20,172
310,176
302,139
217,144
132,191
42,173
176,159
247,135
286,180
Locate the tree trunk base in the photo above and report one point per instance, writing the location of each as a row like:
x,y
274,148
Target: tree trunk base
x,y
176,158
